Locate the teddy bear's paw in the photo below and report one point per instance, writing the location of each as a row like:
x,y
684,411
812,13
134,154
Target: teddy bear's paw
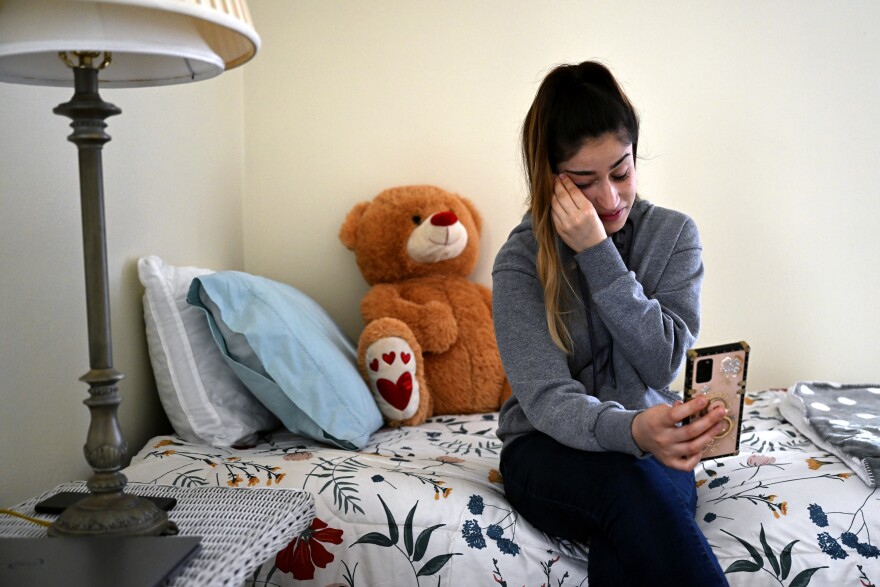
x,y
391,368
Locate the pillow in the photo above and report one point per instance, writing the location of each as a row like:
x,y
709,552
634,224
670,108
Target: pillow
x,y
291,355
204,400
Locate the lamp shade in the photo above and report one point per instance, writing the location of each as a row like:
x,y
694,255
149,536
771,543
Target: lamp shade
x,y
152,42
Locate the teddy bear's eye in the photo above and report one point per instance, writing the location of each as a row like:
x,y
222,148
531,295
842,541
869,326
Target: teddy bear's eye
x,y
417,219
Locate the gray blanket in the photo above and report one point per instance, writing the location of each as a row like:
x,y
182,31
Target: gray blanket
x,y
842,419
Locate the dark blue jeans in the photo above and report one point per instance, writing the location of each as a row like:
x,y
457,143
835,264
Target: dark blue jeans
x,y
636,514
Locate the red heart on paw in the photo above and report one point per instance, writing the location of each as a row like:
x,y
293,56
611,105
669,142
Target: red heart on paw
x,y
388,357
374,364
396,394
405,357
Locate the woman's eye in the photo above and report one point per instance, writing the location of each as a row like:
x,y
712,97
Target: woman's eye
x,y
417,220
623,177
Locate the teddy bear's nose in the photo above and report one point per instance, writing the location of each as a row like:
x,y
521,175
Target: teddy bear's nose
x,y
447,218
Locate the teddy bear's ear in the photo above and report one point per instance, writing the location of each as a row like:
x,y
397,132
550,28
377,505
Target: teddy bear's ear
x,y
478,220
348,232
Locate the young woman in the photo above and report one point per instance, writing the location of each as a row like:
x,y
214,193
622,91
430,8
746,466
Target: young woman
x,y
596,300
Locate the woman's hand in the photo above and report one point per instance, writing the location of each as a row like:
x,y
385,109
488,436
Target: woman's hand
x,y
655,430
574,216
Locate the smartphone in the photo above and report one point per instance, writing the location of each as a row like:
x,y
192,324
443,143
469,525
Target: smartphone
x,y
719,373
55,504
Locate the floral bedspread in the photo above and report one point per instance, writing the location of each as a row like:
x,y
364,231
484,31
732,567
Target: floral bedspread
x,y
786,512
425,506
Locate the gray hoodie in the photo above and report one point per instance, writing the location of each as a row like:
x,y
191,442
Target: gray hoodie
x,y
644,314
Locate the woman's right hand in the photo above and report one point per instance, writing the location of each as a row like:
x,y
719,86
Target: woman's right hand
x,y
576,221
656,431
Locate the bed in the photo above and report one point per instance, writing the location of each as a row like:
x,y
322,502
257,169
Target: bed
x,y
425,505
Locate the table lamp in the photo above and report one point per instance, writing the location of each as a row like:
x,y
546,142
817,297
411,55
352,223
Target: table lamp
x,y
89,44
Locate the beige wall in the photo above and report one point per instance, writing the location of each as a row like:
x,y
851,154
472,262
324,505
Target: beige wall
x,y
759,119
173,186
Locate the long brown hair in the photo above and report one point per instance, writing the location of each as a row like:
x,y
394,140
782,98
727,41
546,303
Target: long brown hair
x,y
574,103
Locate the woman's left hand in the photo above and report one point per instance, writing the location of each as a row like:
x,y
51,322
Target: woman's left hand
x,y
574,217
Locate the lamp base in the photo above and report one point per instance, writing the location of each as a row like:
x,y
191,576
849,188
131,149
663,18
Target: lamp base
x,y
108,511
113,514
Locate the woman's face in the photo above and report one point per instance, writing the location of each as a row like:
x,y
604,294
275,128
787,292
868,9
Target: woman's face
x,y
605,172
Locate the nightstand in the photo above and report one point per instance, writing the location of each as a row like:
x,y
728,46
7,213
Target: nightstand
x,y
239,528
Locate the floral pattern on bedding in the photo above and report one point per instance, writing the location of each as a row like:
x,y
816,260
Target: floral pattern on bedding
x,y
425,506
788,513
417,506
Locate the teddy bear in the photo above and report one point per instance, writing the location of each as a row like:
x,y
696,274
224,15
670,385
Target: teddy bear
x,y
428,347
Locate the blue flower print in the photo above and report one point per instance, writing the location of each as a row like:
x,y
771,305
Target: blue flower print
x,y
473,534
865,550
817,514
494,531
507,546
830,546
849,539
718,482
475,505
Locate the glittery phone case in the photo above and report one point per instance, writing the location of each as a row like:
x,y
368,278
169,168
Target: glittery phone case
x,y
719,372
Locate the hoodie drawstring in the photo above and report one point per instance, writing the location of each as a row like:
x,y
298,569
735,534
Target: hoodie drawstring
x,y
585,292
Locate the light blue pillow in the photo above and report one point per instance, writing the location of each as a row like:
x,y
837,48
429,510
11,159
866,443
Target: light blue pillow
x,y
290,354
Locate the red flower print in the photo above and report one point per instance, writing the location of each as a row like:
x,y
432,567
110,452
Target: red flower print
x,y
301,556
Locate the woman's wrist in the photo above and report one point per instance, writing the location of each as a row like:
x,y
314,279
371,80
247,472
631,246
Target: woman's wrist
x,y
636,432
